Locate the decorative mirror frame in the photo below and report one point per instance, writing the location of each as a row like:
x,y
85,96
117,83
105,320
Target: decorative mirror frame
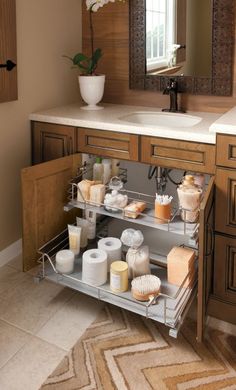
x,y
222,53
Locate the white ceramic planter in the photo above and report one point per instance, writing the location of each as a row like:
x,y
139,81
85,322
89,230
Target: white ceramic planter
x,y
91,90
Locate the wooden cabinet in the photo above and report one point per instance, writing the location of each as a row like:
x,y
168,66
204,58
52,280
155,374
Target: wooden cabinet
x,y
44,192
108,144
223,300
197,157
50,141
226,201
226,152
225,268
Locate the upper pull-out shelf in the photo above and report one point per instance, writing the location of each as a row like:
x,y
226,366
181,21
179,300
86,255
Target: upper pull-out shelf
x,y
146,218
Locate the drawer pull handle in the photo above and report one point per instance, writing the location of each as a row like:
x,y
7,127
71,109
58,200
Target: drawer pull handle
x,y
9,65
209,229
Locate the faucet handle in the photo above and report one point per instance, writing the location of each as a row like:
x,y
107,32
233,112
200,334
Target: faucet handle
x,y
172,85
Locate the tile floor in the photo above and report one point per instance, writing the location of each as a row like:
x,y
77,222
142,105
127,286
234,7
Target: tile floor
x,y
39,324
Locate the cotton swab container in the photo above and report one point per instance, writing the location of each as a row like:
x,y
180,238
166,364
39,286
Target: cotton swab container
x,y
163,208
145,286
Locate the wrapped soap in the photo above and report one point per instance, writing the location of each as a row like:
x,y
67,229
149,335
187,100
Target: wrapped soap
x,y
180,263
83,192
134,209
97,194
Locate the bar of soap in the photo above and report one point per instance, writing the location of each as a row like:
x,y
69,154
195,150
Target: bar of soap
x,y
97,194
83,193
180,262
134,209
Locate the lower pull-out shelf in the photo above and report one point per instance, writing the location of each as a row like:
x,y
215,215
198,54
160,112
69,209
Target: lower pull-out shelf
x,y
169,307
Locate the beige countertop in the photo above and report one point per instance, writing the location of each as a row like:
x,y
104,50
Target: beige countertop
x,y
110,118
226,123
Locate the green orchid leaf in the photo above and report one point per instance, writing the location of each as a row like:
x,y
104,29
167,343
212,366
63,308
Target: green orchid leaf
x,y
96,55
78,58
94,60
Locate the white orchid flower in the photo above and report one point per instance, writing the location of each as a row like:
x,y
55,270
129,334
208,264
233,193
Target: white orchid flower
x,y
88,64
94,5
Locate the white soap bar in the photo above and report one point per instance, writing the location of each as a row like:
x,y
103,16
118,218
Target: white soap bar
x,y
65,261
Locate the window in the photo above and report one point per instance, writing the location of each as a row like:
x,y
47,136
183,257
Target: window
x,y
160,32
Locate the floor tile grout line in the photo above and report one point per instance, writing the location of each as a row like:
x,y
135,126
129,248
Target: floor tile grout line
x,y
27,342
31,334
56,311
44,323
17,327
10,358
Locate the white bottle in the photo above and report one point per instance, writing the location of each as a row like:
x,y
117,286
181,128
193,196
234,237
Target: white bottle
x,y
106,162
98,170
92,219
115,167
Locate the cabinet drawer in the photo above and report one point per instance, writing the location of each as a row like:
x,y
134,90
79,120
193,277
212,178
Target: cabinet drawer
x,y
226,201
50,141
225,268
226,151
178,154
108,143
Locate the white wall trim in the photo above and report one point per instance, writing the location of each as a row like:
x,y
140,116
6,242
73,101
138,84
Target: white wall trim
x,y
10,252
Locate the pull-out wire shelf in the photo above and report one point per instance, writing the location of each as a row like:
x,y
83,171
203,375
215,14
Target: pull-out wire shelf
x,y
168,307
175,224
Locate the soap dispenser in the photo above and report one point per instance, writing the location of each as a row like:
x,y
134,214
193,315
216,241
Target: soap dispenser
x,y
189,195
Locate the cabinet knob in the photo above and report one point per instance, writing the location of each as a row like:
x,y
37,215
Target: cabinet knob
x,y
9,65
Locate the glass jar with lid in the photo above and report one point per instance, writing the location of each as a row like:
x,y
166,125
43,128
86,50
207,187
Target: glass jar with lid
x,y
189,195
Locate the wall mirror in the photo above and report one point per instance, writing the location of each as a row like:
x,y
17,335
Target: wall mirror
x,y
190,40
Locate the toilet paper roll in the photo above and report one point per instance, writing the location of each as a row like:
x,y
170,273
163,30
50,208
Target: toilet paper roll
x,y
94,267
112,246
65,261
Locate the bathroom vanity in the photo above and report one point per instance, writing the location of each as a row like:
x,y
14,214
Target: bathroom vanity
x,y
64,134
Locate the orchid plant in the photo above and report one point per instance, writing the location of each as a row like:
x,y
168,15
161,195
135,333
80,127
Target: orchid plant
x,y
88,64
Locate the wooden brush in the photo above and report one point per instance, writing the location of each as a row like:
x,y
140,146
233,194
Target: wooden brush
x,y
145,286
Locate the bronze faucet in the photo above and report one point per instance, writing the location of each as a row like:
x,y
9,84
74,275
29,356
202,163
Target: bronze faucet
x,y
172,90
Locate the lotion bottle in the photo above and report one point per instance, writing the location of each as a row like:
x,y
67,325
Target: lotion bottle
x,y
98,170
106,162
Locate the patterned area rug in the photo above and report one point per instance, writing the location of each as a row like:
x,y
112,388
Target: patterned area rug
x,y
121,351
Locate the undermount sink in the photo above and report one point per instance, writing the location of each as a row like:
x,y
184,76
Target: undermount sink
x,y
163,119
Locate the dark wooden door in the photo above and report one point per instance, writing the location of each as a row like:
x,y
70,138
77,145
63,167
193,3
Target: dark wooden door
x,y
51,141
226,201
225,268
44,193
8,79
206,252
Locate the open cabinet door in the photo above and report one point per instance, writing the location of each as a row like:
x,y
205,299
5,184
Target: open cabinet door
x,y
205,266
44,193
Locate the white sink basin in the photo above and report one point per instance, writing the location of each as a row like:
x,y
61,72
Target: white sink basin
x,y
163,119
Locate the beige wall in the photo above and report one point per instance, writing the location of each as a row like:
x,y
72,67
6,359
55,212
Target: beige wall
x,y
46,29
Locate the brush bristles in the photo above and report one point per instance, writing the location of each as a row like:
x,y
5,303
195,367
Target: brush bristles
x,y
146,284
